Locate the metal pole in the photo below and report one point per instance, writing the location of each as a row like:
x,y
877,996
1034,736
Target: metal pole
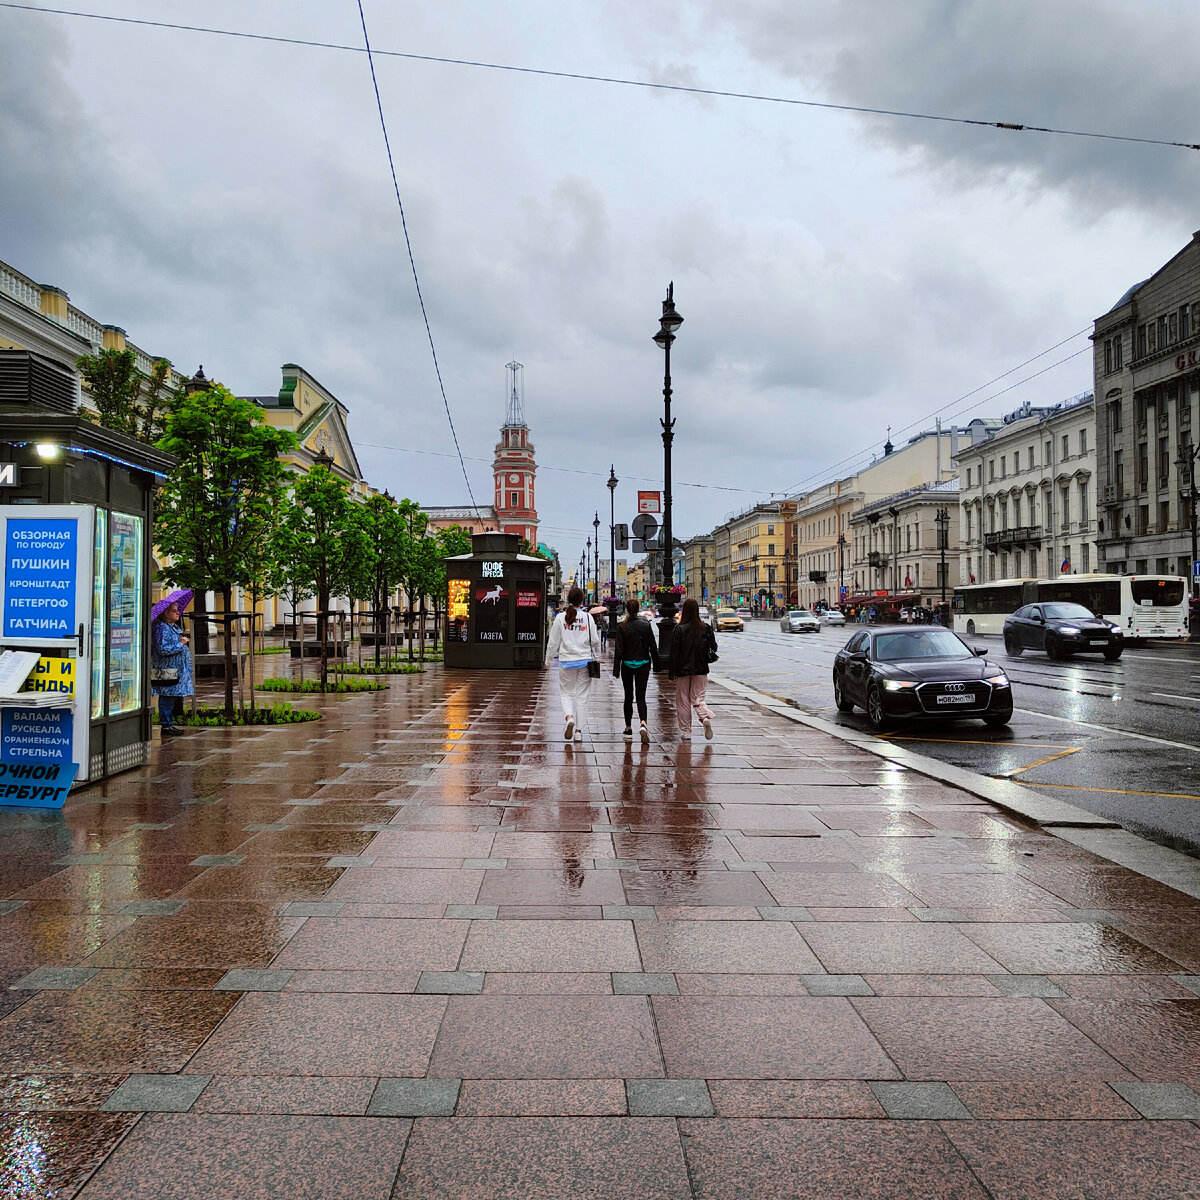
x,y
943,521
612,530
668,437
1192,502
596,527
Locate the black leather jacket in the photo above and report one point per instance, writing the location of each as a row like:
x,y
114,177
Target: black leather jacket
x,y
634,642
690,645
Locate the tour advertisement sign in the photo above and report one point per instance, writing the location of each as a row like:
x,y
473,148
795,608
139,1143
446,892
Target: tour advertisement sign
x,y
41,557
36,734
529,612
491,612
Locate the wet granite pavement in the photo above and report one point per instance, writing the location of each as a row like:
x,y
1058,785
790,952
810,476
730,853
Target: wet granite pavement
x,y
424,948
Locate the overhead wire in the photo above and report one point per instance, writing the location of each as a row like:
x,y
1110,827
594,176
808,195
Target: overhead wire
x,y
412,262
579,76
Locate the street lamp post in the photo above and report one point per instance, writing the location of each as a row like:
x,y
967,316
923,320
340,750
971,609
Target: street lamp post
x,y
596,527
943,524
669,322
612,531
841,545
581,582
895,515
1187,458
757,602
587,562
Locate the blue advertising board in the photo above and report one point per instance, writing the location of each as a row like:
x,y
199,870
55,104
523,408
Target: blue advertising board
x,y
36,735
35,785
40,559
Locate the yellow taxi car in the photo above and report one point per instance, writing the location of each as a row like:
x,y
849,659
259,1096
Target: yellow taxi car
x,y
728,620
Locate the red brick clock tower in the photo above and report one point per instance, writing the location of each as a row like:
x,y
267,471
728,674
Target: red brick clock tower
x,y
514,468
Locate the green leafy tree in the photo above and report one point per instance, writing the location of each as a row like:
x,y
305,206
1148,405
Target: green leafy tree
x,y
414,524
385,529
126,399
322,523
221,499
287,568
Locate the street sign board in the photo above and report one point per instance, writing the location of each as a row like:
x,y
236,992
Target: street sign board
x,y
1196,568
650,502
621,533
644,526
645,546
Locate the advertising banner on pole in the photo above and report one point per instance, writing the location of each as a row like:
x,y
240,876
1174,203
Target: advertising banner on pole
x,y
650,502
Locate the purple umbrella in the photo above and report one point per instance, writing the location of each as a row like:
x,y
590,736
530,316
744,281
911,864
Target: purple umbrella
x,y
182,597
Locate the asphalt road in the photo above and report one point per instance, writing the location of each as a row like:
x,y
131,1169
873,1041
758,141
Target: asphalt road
x,y
1118,739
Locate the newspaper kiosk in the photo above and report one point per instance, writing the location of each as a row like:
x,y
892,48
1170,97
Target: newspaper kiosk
x,y
496,614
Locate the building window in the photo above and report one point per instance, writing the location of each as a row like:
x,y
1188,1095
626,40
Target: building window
x,y
1164,459
1173,327
1066,453
1162,332
1114,416
1084,510
969,534
514,499
1143,524
1139,566
1185,321
1083,441
1016,462
1017,563
770,545
1033,563
1164,515
771,531
1031,462
968,477
991,469
1119,470
1049,454
1144,335
1143,467
1065,505
1003,467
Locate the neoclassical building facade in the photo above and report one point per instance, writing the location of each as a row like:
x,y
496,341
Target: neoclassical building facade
x,y
1027,497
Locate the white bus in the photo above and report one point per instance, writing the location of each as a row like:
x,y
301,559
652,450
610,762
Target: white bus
x,y
982,607
1144,606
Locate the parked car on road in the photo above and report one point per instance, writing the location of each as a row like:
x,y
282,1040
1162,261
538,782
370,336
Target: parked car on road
x,y
729,621
799,620
921,673
832,616
1061,629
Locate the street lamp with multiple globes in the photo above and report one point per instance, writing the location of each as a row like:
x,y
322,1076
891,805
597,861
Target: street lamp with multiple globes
x,y
612,530
669,322
943,524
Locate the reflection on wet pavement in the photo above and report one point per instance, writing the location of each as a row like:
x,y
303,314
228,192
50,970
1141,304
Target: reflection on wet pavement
x,y
523,939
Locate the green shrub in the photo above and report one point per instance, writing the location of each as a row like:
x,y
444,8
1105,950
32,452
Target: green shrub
x,y
394,666
276,714
342,686
272,650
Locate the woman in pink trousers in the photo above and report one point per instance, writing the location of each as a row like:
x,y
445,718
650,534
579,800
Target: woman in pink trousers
x,y
693,647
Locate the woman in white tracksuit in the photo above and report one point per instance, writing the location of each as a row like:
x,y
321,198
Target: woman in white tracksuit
x,y
574,640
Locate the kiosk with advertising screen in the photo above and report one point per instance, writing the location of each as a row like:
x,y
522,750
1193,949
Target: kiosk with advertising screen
x,y
495,617
74,607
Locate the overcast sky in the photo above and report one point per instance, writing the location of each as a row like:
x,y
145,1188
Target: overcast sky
x,y
228,202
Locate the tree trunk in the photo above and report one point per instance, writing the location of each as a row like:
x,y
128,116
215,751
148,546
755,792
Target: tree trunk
x,y
227,598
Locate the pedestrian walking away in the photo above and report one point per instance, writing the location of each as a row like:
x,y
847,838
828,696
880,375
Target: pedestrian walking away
x,y
693,647
170,662
574,641
634,654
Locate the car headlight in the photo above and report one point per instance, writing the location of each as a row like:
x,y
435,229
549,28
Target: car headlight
x,y
1070,630
1115,628
896,685
999,679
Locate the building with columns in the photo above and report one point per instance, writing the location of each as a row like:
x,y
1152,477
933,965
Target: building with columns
x,y
1027,500
1147,384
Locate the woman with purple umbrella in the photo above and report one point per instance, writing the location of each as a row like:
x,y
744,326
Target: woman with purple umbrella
x,y
170,660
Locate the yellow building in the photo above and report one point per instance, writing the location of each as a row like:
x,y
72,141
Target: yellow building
x,y
757,540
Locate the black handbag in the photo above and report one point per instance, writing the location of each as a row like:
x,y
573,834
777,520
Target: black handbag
x,y
593,668
710,647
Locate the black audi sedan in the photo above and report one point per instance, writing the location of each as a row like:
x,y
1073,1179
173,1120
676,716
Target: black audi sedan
x,y
1061,629
926,672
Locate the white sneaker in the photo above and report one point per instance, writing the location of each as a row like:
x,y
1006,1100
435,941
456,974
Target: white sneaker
x,y
707,723
579,735
570,729
645,735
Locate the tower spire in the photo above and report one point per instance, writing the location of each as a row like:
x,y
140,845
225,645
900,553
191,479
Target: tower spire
x,y
515,415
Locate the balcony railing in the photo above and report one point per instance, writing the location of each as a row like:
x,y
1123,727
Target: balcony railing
x,y
1020,536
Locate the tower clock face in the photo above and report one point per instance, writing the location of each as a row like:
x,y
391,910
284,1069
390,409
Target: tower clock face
x,y
514,479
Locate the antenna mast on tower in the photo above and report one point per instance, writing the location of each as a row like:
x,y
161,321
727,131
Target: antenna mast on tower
x,y
516,405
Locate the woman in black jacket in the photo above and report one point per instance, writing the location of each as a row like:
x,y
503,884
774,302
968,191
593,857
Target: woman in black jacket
x,y
693,647
634,653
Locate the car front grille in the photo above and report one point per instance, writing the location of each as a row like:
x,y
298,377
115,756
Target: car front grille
x,y
978,695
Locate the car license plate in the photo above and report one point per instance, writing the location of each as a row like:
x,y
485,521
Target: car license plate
x,y
1099,641
955,699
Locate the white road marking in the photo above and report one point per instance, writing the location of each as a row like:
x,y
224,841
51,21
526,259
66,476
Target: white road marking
x,y
1141,737
1172,696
